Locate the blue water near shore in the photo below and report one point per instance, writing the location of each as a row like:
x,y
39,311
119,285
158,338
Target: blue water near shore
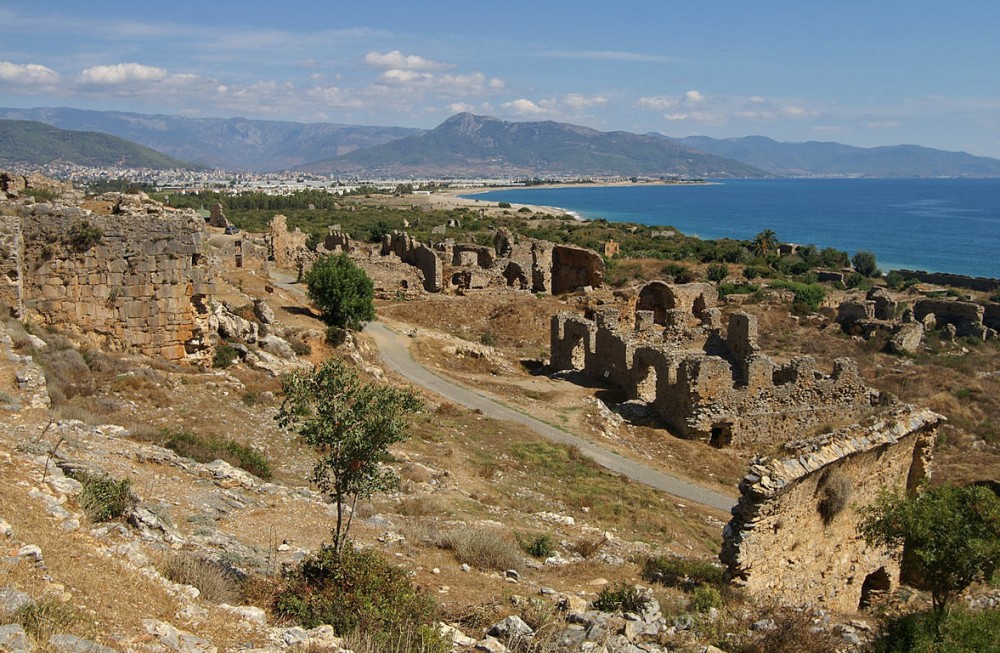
x,y
939,225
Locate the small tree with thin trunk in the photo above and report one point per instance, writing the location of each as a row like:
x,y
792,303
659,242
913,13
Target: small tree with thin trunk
x,y
351,424
948,536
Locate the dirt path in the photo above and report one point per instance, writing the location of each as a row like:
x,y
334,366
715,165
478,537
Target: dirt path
x,y
394,350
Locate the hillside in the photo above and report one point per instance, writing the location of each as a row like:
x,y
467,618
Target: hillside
x,y
233,144
467,145
826,159
25,141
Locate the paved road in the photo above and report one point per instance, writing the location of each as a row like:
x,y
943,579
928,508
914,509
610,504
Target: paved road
x,y
396,354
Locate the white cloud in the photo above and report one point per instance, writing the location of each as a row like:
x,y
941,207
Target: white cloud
x,y
757,99
694,97
883,124
122,73
27,75
578,101
609,55
525,107
657,103
398,60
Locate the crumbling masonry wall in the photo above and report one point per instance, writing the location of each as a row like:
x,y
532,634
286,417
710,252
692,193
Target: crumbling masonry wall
x,y
707,383
138,282
413,252
794,533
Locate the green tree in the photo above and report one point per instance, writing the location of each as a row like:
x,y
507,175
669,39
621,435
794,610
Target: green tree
x,y
864,262
343,292
765,243
948,536
351,424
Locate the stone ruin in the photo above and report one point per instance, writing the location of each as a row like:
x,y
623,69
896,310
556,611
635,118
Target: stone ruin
x,y
412,252
877,314
706,382
136,279
794,537
287,249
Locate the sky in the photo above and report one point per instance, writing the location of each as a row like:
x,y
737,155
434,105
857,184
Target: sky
x,y
866,73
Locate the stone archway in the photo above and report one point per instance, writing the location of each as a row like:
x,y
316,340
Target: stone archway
x,y
876,585
656,296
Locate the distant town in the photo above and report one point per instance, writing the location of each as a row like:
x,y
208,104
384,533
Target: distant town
x,y
286,183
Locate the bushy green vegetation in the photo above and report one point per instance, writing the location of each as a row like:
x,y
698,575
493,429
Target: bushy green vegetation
x,y
343,292
540,546
208,448
104,498
809,295
683,573
356,590
962,631
950,535
622,597
224,356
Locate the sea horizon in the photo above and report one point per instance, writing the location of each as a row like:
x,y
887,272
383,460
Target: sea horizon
x,y
934,225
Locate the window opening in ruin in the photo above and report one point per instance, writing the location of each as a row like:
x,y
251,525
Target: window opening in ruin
x,y
239,253
195,259
877,584
722,435
699,306
404,284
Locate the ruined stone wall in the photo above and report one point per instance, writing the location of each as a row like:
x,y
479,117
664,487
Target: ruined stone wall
x,y
236,252
11,254
794,534
413,252
288,248
965,316
707,384
575,267
982,284
991,316
141,284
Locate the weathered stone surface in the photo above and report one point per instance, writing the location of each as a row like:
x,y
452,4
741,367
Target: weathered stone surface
x,y
907,339
13,639
74,644
705,382
793,535
965,317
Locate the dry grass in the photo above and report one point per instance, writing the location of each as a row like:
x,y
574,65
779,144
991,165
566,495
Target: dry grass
x,y
215,583
486,549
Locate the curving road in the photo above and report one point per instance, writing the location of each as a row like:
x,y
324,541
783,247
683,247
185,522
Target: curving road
x,y
396,355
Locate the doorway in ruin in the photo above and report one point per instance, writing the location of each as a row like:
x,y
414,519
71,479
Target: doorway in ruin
x,y
721,435
656,296
876,586
645,383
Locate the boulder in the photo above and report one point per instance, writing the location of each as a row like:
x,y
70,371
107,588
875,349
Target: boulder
x,y
907,338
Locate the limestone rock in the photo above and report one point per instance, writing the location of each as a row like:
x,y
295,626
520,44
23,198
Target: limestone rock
x,y
13,639
74,644
907,338
174,639
511,627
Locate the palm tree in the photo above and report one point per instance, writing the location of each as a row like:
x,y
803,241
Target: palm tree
x,y
765,243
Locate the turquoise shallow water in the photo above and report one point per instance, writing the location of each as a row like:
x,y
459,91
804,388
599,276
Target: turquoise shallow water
x,y
940,225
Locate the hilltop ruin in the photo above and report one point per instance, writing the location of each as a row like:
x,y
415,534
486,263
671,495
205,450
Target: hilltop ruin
x,y
707,382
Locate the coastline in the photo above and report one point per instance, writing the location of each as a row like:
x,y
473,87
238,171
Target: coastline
x,y
945,226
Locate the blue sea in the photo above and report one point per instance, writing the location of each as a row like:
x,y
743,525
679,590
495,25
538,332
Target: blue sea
x,y
938,225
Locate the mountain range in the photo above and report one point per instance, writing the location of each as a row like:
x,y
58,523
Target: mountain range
x,y
29,141
225,143
825,159
468,145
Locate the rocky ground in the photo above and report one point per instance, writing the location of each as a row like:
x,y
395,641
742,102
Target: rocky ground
x,y
87,585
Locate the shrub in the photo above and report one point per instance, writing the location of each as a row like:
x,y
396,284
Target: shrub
x,y
962,631
793,632
482,548
808,295
680,572
103,498
379,229
834,490
83,235
717,272
678,273
335,336
224,356
540,546
503,205
704,598
621,597
343,292
43,618
865,264
206,449
358,591
212,580
488,338
737,289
